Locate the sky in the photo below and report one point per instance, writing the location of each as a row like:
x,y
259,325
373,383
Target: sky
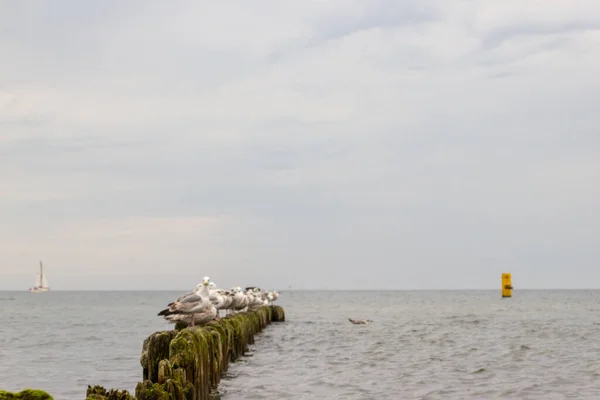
x,y
378,144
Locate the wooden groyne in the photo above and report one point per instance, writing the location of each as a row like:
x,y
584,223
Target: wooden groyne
x,y
188,363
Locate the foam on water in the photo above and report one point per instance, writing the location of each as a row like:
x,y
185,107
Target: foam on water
x,y
421,345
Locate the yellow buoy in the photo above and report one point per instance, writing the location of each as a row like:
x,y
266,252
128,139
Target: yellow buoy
x,y
506,285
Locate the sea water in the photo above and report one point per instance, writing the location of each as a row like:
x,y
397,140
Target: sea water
x,y
421,345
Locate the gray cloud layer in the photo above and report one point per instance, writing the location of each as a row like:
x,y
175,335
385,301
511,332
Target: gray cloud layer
x,y
377,144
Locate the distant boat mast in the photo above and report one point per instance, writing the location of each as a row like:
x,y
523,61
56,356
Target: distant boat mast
x,y
41,283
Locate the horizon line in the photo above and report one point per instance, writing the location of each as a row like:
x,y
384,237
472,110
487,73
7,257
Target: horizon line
x,y
308,290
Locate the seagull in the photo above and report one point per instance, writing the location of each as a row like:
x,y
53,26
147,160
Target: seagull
x,y
228,301
244,300
264,298
189,305
237,298
217,297
200,318
360,321
255,299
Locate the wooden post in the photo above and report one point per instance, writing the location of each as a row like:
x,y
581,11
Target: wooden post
x,y
506,285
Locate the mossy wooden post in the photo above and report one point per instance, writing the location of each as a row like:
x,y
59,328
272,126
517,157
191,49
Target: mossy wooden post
x,y
278,314
154,349
99,393
27,394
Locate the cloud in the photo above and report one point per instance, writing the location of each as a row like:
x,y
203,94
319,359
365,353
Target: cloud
x,y
428,143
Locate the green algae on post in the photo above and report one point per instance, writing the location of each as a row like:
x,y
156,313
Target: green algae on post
x,y
27,394
278,314
158,351
99,393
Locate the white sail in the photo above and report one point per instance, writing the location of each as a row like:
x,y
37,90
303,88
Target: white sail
x,y
44,281
38,280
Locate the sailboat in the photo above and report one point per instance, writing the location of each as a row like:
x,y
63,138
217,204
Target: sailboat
x,y
41,283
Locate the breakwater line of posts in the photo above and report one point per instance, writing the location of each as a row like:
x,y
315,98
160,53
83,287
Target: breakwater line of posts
x,y
185,363
188,363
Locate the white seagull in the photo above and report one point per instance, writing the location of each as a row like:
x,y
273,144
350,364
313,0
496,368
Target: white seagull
x,y
192,307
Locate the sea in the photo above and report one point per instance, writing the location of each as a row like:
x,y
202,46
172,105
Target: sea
x,y
420,345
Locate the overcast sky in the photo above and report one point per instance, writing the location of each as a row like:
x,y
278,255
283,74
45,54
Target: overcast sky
x,y
312,144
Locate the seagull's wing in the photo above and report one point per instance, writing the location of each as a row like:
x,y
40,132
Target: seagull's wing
x,y
188,306
191,297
